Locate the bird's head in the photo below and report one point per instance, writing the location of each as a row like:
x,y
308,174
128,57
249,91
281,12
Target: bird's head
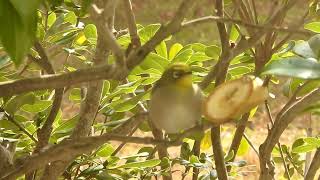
x,y
179,74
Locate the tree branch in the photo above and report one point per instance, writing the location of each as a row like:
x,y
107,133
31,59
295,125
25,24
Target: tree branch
x,y
10,88
6,161
69,147
314,166
135,40
281,123
45,131
11,119
207,19
221,70
89,107
241,126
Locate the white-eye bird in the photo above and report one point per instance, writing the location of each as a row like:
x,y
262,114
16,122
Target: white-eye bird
x,y
176,103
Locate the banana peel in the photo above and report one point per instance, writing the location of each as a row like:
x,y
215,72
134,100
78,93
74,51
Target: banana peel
x,y
232,99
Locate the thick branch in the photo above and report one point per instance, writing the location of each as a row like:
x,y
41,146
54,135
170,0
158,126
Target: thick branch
x,y
314,166
5,159
89,107
135,40
10,88
70,147
281,123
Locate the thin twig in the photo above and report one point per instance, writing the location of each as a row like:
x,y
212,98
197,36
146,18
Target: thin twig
x,y
293,163
222,67
278,143
45,131
251,144
205,19
241,125
11,119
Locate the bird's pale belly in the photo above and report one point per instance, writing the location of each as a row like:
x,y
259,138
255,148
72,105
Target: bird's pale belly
x,y
183,112
175,118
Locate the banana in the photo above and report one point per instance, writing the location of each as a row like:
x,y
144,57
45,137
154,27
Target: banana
x,y
233,98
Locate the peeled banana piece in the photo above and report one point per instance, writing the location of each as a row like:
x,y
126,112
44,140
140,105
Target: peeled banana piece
x,y
233,98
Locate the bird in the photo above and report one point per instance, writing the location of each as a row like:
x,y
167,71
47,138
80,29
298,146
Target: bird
x,y
176,102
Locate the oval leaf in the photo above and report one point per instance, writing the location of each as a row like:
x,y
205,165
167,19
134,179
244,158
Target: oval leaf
x,y
294,67
142,164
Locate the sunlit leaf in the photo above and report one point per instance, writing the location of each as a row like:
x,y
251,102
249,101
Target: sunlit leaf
x,y
213,51
294,67
175,48
161,49
142,164
18,21
38,106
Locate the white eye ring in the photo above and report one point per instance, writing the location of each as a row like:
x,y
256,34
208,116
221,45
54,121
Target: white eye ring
x,y
176,74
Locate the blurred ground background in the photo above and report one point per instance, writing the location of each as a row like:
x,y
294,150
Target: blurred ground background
x,y
155,11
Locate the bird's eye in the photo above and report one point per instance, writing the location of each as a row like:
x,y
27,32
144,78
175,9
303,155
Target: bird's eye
x,y
176,74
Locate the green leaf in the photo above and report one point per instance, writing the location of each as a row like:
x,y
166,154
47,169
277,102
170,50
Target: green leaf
x,y
314,43
66,126
312,140
183,55
142,164
38,106
129,104
198,57
304,148
105,150
90,32
175,48
75,94
18,20
92,170
303,49
291,172
277,159
234,34
154,61
206,141
194,159
4,60
71,18
198,47
106,88
51,19
239,70
313,26
85,4
243,148
15,103
308,88
297,142
229,156
161,49
148,32
213,51
294,67
185,151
